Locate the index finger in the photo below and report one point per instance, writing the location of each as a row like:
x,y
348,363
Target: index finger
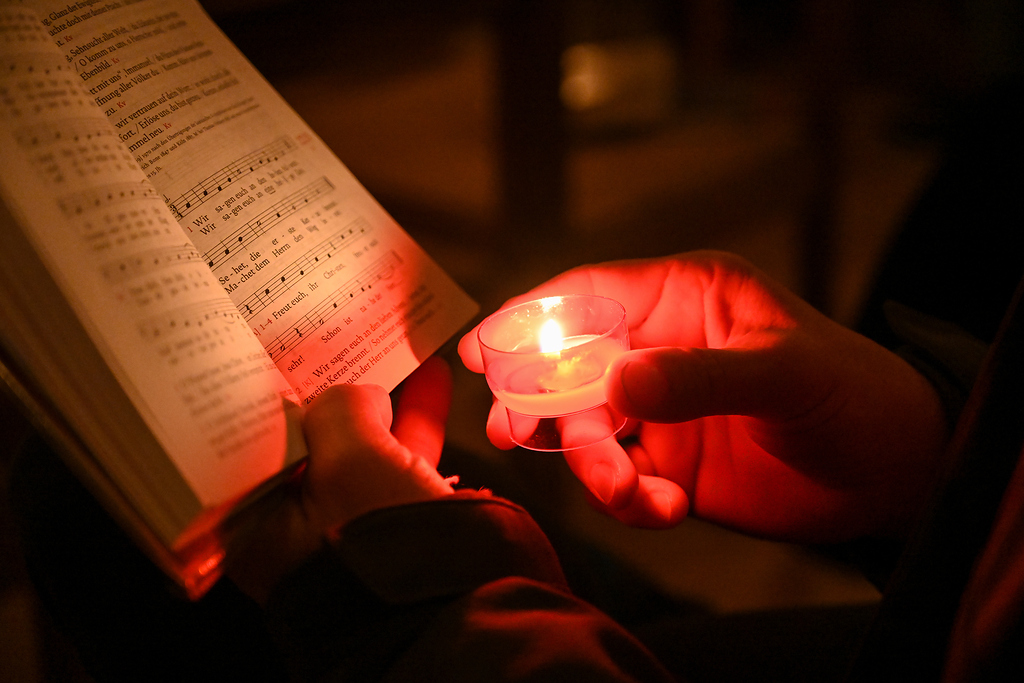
x,y
422,411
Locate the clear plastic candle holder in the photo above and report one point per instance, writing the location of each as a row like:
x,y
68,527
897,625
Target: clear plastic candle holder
x,y
546,361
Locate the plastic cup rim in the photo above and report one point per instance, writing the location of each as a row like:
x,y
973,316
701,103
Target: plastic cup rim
x,y
504,311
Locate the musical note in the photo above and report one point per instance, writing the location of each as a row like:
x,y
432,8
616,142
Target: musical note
x,y
194,197
280,282
382,269
179,320
76,148
138,224
95,199
275,214
148,262
68,130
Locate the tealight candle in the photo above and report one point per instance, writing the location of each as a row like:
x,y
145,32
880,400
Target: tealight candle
x,y
547,359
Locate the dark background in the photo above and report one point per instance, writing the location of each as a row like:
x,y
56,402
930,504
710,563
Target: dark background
x,y
517,139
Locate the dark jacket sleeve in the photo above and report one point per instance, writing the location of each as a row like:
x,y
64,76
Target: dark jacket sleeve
x,y
949,358
947,355
465,588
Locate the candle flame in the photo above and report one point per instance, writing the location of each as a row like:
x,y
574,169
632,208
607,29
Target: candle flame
x,y
551,337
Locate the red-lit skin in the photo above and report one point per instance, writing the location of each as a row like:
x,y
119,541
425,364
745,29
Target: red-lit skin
x,y
361,458
748,408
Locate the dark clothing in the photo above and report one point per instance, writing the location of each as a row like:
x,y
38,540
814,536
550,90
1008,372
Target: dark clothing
x,y
473,588
463,589
976,524
469,589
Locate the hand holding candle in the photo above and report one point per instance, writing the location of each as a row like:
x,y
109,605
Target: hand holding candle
x,y
546,360
748,405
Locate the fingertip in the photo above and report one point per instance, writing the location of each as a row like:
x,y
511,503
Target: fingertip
x,y
469,352
379,398
348,409
606,471
667,503
658,504
341,397
498,429
601,481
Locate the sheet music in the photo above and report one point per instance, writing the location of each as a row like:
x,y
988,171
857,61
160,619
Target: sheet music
x,y
265,158
281,222
207,217
163,322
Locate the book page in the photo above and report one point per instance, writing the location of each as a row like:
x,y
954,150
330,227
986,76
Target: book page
x,y
333,288
178,196
143,292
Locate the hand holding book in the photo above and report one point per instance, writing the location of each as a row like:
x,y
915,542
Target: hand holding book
x,y
185,266
360,460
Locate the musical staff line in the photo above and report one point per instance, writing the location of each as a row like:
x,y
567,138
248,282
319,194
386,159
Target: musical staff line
x,y
71,130
275,214
98,198
381,269
148,262
193,198
302,266
188,318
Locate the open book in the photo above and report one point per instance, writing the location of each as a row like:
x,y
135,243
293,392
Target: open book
x,y
183,265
